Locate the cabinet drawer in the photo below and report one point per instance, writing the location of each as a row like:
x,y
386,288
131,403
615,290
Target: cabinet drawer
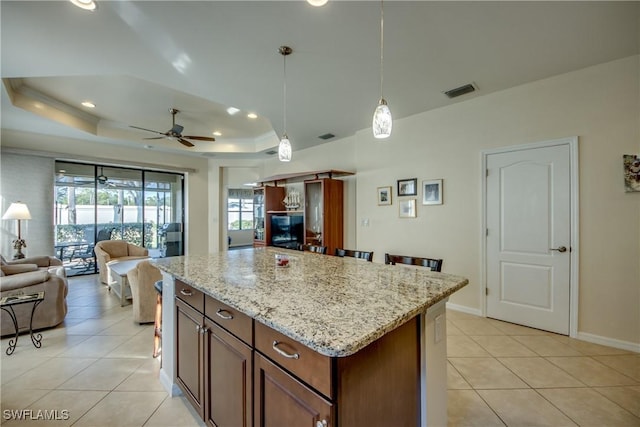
x,y
232,320
191,296
311,367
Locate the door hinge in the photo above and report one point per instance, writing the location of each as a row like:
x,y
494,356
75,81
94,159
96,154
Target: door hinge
x,y
486,232
486,172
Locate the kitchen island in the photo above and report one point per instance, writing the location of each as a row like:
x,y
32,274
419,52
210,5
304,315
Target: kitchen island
x,y
334,340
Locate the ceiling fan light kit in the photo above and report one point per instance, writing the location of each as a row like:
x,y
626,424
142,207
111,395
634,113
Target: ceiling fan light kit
x,y
382,120
85,4
284,148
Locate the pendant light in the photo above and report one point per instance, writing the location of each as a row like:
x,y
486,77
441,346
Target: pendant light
x,y
284,148
382,121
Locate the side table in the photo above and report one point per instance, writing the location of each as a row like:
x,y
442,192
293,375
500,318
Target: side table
x,y
7,303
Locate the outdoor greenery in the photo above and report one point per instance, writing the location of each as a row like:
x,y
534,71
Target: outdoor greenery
x,y
131,232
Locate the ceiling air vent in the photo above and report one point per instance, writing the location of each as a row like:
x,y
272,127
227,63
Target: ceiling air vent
x,y
462,90
270,152
327,136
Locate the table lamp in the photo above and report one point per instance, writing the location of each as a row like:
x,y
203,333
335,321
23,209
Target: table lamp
x,y
19,211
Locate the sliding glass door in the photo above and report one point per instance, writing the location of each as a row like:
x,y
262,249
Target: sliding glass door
x,y
95,203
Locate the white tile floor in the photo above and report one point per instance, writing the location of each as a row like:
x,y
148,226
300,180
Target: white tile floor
x,y
97,366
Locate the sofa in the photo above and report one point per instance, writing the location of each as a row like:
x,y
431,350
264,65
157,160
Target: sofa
x,y
112,250
142,279
32,275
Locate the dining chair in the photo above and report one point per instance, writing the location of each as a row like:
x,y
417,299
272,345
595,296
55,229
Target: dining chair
x,y
313,248
367,256
433,263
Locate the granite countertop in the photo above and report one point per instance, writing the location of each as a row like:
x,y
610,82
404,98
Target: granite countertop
x,y
335,306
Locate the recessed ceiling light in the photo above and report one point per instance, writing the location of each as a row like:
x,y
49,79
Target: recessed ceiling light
x,y
232,110
88,104
217,133
317,3
85,4
252,115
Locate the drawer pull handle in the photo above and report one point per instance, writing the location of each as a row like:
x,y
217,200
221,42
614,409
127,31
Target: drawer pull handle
x,y
284,353
226,315
186,292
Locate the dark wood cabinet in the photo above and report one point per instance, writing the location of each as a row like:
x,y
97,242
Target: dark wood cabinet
x,y
190,354
281,400
214,368
237,372
229,368
266,198
324,213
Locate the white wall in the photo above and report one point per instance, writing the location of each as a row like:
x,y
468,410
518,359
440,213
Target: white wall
x,y
599,104
29,180
196,183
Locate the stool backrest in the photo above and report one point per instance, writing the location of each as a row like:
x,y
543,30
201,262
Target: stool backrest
x,y
313,248
367,256
433,263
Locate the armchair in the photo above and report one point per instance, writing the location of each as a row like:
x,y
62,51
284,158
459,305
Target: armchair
x,y
141,280
31,275
110,250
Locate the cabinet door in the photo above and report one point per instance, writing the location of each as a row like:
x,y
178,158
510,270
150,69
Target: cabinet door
x,y
229,379
280,400
189,354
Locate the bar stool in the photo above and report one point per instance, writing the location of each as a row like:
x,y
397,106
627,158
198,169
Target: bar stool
x,y
157,324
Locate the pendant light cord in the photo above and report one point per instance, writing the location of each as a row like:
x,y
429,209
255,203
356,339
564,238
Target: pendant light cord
x,y
381,46
284,95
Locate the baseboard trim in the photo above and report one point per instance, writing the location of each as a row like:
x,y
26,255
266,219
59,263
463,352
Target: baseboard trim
x,y
609,342
168,384
464,309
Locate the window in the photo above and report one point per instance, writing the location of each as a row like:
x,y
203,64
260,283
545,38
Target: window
x,y
240,209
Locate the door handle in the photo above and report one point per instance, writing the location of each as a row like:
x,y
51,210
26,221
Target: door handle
x,y
561,249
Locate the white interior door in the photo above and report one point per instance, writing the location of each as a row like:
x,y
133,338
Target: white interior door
x,y
528,204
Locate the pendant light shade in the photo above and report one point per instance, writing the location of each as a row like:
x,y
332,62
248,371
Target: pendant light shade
x,y
284,148
382,120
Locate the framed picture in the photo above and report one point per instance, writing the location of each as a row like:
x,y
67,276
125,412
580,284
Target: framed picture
x,y
407,208
631,172
384,196
432,192
408,187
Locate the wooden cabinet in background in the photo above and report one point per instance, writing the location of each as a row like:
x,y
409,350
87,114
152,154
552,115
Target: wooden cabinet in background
x,y
266,198
323,213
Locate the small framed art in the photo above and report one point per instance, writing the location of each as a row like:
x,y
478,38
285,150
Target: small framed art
x,y
408,187
631,164
384,196
407,208
432,192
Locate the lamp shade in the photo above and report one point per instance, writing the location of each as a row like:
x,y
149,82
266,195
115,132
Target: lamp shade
x,y
284,149
17,210
382,121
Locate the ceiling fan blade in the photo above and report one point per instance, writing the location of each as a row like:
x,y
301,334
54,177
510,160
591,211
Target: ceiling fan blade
x,y
200,138
155,137
148,130
185,143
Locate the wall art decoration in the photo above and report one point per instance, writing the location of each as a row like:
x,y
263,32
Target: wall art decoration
x,y
408,187
432,192
384,196
631,163
407,208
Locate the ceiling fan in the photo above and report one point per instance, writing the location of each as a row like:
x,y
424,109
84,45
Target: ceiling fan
x,y
176,132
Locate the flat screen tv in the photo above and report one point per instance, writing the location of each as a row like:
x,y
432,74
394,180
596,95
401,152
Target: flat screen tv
x,y
287,231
